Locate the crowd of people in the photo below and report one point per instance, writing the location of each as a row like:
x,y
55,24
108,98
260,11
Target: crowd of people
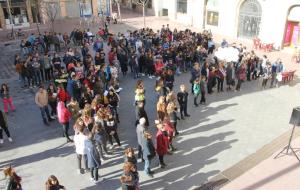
x,y
85,90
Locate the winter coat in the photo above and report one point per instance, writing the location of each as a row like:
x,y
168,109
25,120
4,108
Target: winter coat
x,y
140,112
63,95
100,137
70,85
140,133
148,149
241,73
162,142
93,157
64,116
132,160
3,121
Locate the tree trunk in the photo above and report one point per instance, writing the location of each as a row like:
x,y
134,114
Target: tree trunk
x,y
119,11
110,8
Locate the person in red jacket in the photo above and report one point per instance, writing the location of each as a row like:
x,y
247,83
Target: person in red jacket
x,y
62,94
162,144
170,129
64,117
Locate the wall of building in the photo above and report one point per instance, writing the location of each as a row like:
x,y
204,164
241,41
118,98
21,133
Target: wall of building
x,y
273,18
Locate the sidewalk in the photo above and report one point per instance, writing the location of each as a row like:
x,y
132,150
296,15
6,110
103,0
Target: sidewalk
x,y
271,174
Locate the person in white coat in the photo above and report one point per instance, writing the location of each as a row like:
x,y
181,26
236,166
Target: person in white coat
x,y
79,140
140,129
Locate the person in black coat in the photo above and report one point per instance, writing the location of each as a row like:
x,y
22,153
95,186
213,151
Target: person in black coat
x,y
182,98
169,80
148,152
141,113
3,126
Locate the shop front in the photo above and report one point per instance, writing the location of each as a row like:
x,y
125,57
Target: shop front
x,y
14,14
292,32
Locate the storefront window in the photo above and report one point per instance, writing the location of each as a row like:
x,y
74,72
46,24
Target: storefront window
x,y
18,13
182,6
85,8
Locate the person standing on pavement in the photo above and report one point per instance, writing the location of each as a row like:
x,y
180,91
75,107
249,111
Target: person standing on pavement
x,y
140,112
130,156
41,99
111,129
161,108
6,98
93,157
52,99
148,152
3,126
241,76
13,180
202,89
53,184
64,117
196,90
140,129
130,178
195,72
79,141
182,98
172,114
100,137
162,144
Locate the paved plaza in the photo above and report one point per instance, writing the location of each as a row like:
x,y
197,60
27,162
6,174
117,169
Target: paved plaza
x,y
229,128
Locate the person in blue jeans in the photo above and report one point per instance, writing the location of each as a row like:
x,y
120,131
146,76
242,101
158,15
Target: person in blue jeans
x,y
41,99
148,152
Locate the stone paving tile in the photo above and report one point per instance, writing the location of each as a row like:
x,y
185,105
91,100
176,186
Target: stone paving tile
x,y
248,163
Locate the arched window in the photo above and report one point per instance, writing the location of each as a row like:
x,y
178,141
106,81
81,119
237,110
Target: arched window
x,y
249,19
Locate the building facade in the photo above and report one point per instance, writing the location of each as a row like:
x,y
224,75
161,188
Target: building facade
x,y
273,21
25,12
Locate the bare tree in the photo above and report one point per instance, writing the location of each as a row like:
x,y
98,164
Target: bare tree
x,y
119,9
143,3
51,10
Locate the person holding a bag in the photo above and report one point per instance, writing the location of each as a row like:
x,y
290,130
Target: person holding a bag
x,y
148,152
3,126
